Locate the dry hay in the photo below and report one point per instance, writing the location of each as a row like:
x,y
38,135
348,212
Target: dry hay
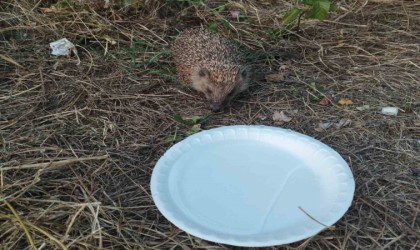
x,y
79,142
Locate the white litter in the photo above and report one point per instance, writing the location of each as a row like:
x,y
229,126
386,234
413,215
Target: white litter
x,y
342,123
363,108
281,117
323,126
390,111
62,47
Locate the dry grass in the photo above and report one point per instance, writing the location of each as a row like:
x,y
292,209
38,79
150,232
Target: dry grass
x,y
78,142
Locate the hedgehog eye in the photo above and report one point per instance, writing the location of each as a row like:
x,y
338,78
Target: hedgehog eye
x,y
244,73
203,72
209,91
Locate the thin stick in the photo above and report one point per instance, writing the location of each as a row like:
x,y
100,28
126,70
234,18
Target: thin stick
x,y
301,209
57,163
17,217
38,229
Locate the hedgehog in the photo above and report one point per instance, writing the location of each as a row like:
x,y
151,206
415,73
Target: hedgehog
x,y
210,64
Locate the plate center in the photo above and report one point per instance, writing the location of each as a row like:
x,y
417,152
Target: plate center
x,y
245,187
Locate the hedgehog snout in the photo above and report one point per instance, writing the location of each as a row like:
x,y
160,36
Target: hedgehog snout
x,y
216,107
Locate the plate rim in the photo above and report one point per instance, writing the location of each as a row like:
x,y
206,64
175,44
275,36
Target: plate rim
x,y
172,218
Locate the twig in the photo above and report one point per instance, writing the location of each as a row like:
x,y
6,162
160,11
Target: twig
x,y
57,163
310,216
17,217
2,216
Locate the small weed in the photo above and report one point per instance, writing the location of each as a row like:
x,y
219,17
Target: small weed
x,y
408,106
310,9
296,93
257,55
144,54
189,126
168,73
276,32
212,27
318,91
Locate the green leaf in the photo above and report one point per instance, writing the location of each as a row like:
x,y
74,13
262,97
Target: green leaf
x,y
195,119
319,10
333,7
296,93
291,15
220,8
200,119
132,3
175,137
206,118
226,23
179,119
309,2
193,130
212,27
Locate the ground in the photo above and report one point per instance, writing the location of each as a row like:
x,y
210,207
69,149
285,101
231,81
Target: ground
x,y
79,139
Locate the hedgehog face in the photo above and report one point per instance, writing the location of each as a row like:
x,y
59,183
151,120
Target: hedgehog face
x,y
221,85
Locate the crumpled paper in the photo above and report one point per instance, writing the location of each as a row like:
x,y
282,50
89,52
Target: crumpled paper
x,y
62,47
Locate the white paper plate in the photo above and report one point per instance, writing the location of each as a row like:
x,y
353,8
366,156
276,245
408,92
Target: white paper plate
x,y
248,185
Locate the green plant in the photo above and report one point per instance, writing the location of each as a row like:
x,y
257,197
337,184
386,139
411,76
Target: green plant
x,y
192,125
310,9
316,91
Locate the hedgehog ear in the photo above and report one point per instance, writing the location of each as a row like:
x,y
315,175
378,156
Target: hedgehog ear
x,y
204,73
